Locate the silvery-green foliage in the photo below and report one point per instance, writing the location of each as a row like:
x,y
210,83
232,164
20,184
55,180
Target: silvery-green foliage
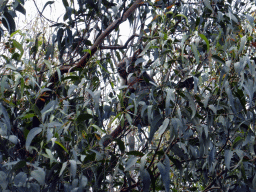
x,y
193,129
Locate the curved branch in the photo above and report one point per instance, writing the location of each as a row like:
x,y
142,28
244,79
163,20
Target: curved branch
x,y
125,46
99,40
44,97
118,46
41,14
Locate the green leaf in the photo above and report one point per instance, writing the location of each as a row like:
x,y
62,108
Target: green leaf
x,y
31,135
195,53
59,38
130,163
98,128
73,168
181,15
128,117
58,143
206,41
36,110
121,145
84,116
21,1
228,155
72,78
4,183
163,127
6,117
242,44
64,165
19,165
19,47
68,13
151,43
21,9
87,51
16,32
145,177
47,3
71,89
20,179
8,22
254,182
218,59
87,42
48,64
165,172
143,161
65,3
208,4
135,153
27,116
105,140
50,156
4,83
39,175
59,73
192,104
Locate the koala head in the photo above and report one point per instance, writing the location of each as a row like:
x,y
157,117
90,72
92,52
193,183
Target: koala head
x,y
125,67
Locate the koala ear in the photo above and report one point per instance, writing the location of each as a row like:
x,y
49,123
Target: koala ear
x,y
121,69
129,65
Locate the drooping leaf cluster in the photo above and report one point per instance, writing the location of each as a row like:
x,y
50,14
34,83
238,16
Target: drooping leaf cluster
x,y
192,130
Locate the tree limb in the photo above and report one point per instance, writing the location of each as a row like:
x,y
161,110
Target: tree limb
x,y
99,40
40,102
119,46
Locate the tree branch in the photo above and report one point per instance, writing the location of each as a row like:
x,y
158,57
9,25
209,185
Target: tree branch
x,y
119,46
40,102
99,40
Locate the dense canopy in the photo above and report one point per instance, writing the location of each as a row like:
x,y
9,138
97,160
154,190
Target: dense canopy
x,y
171,107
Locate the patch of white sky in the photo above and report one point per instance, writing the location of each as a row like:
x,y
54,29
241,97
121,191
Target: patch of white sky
x,y
53,12
33,22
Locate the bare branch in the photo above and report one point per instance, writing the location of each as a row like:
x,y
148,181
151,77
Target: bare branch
x,y
118,46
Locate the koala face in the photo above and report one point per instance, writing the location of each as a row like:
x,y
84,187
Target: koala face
x,y
125,67
132,76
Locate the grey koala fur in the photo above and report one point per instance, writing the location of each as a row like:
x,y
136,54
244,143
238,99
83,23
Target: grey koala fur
x,y
132,76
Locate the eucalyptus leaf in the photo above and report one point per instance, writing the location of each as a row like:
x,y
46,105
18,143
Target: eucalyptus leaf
x,y
130,163
242,44
3,181
195,53
151,43
31,135
206,41
254,182
20,179
64,165
145,177
39,175
164,171
208,4
163,127
73,168
191,105
228,156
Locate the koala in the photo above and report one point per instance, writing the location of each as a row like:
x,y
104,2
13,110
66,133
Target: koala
x,y
138,84
132,76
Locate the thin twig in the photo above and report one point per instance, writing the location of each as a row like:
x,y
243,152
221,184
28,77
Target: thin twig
x,y
41,14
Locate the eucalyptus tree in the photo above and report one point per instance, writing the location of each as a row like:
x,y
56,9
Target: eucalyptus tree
x,y
69,124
